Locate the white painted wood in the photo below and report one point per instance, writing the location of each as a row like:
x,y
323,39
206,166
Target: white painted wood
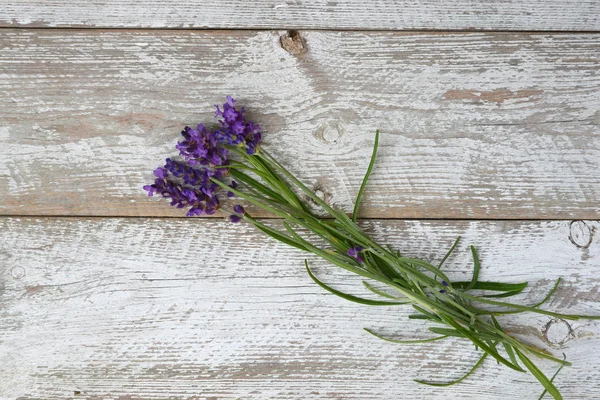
x,y
321,14
183,308
473,125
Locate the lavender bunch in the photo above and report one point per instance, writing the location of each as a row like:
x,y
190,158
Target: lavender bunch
x,y
227,161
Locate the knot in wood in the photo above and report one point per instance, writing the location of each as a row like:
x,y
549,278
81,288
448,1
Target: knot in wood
x,y
17,272
580,234
321,193
557,332
293,43
329,133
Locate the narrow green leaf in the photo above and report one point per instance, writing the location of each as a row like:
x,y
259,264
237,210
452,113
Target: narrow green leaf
x,y
270,177
539,375
341,216
478,342
526,308
259,202
511,354
419,316
427,266
507,347
477,364
275,234
278,183
553,376
386,268
509,289
428,314
253,183
379,292
476,267
449,252
550,293
502,295
455,333
349,296
366,178
493,286
405,341
543,301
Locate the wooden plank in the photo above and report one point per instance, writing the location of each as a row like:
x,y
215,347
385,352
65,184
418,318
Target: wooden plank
x,y
317,14
180,308
473,125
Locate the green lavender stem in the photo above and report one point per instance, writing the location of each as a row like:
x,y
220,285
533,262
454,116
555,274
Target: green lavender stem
x,y
424,286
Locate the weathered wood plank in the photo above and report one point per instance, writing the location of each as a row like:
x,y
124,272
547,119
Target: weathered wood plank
x,y
321,14
183,308
473,125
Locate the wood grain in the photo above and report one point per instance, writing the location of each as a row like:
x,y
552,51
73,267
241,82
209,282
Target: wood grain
x,y
320,14
473,125
202,309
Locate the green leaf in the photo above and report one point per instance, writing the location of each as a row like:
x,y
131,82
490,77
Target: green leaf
x,y
419,316
477,364
386,268
405,341
426,313
510,289
259,202
476,267
379,292
256,185
455,333
494,286
507,347
349,296
478,342
553,376
539,375
550,293
526,308
366,178
275,234
277,183
449,252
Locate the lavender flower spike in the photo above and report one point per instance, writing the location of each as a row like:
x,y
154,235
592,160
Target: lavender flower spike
x,y
354,252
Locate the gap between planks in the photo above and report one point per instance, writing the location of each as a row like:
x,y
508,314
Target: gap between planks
x,y
562,15
299,29
222,216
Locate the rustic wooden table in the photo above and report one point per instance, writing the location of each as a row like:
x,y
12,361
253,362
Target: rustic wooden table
x,y
490,120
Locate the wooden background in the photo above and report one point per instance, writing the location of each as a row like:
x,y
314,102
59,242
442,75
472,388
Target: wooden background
x,y
490,120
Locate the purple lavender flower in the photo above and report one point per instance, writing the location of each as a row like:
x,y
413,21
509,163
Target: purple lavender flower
x,y
235,218
232,185
161,172
202,147
197,191
189,183
355,253
180,197
236,131
191,176
446,285
238,209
